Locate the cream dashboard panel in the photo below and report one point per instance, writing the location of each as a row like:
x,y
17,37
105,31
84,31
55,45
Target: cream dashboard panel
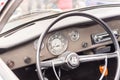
x,y
24,55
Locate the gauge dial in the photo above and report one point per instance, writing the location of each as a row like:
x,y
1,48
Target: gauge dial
x,y
36,44
74,35
57,43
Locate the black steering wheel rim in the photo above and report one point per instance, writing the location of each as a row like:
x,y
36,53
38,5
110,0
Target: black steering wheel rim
x,y
99,21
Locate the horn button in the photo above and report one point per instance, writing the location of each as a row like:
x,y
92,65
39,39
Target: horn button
x,y
72,60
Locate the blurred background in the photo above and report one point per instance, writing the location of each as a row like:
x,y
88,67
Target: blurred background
x,y
29,6
63,4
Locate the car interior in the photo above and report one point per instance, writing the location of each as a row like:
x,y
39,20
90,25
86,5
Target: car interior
x,y
80,44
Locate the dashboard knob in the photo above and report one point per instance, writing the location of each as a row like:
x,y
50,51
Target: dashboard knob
x,y
27,60
10,64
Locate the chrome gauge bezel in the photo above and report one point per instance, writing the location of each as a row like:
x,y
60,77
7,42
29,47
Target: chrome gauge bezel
x,y
74,35
57,43
36,44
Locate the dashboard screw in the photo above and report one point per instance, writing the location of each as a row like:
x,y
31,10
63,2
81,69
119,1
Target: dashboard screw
x,y
27,60
10,64
84,45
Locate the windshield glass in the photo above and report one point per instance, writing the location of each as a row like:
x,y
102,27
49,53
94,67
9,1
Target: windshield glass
x,y
30,6
30,10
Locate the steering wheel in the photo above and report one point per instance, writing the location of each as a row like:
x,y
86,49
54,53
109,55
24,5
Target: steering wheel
x,y
67,58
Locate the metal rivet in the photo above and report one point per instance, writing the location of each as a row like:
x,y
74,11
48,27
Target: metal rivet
x,y
10,64
27,60
84,45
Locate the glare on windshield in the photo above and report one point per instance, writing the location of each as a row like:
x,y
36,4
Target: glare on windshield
x,y
28,6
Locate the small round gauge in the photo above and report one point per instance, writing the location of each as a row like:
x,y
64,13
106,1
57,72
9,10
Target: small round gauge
x,y
74,35
36,44
57,43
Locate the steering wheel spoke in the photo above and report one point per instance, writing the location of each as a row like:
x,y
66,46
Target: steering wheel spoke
x,y
96,57
48,63
81,58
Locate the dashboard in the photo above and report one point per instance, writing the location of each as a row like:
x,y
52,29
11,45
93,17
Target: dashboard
x,y
76,38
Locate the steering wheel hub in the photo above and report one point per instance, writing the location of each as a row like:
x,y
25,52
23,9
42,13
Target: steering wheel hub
x,y
72,60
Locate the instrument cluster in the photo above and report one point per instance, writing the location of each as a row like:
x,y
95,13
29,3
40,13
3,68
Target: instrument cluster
x,y
58,42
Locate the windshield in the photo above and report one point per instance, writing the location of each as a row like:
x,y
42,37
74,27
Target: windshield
x,y
30,6
30,10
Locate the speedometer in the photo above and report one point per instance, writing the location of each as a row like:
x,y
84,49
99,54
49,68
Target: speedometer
x,y
57,43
